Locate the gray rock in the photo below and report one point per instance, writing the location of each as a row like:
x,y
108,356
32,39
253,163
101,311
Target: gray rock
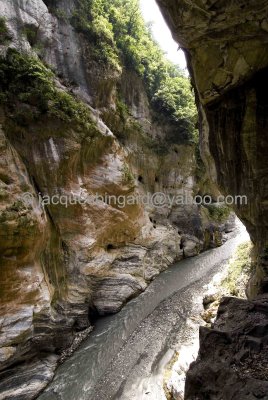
x,y
232,360
62,263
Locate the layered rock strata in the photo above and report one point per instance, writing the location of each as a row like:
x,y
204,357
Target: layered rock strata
x,y
62,135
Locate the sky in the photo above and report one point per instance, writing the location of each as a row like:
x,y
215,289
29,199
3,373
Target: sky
x,y
161,32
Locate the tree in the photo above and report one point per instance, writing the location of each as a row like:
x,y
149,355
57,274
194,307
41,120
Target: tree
x,y
121,37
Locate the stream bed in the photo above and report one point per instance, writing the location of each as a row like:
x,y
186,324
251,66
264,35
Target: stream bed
x,y
126,354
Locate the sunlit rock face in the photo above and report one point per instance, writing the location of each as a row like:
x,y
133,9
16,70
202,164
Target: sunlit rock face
x,y
226,45
62,263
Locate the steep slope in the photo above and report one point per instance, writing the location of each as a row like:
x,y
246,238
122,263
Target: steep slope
x,y
73,127
226,46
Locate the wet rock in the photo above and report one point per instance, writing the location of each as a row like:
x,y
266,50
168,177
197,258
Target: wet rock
x,y
112,292
37,373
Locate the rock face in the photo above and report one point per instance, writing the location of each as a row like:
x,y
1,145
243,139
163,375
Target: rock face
x,y
226,45
63,263
232,361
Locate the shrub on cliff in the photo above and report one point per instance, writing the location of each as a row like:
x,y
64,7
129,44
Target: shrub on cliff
x,y
121,38
4,34
26,80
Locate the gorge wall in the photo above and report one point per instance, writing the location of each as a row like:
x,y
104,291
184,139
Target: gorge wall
x,y
72,127
226,44
226,47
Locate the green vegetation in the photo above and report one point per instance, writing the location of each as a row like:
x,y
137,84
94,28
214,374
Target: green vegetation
x,y
120,39
30,32
60,14
4,35
92,19
122,110
127,175
239,270
217,212
27,80
174,95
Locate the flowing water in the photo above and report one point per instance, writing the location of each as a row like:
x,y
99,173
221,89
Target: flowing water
x,y
124,357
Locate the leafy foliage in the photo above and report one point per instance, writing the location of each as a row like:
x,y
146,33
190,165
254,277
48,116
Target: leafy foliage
x,y
239,270
27,80
91,19
121,38
4,34
128,178
30,32
218,212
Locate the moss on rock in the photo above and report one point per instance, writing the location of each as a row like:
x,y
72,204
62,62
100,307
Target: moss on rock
x,y
4,34
25,79
239,270
218,213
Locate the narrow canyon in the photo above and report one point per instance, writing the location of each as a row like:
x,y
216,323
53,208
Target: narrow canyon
x,y
122,178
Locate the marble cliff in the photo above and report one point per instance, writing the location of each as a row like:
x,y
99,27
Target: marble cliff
x,y
64,132
226,43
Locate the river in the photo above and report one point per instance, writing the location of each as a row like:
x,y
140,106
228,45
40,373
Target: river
x,y
125,355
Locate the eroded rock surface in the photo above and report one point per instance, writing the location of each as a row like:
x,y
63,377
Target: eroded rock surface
x,y
226,44
232,361
63,263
